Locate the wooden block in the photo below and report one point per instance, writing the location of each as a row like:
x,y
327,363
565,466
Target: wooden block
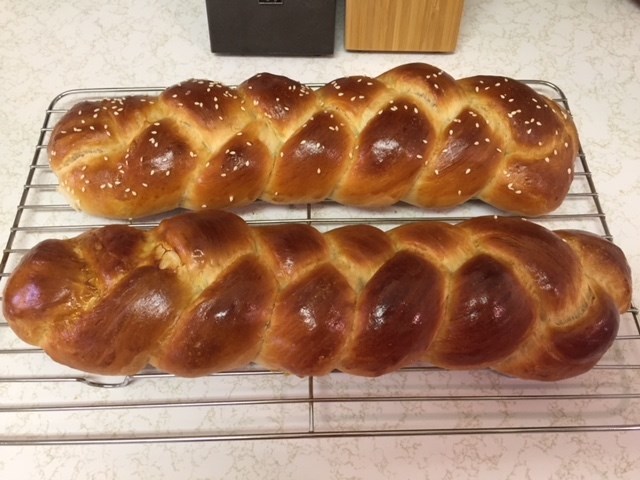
x,y
403,25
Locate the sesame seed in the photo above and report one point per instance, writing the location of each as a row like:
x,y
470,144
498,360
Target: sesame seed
x,y
230,198
467,171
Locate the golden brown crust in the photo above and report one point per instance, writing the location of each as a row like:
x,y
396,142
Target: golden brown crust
x,y
398,313
205,292
412,134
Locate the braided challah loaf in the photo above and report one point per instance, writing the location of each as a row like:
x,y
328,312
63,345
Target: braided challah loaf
x,y
413,134
205,292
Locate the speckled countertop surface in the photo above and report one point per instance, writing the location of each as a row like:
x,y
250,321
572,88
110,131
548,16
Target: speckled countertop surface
x,y
587,47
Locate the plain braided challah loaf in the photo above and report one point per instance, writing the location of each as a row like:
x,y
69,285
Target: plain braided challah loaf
x,y
413,134
205,292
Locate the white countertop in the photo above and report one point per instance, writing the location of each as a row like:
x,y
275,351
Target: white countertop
x,y
589,48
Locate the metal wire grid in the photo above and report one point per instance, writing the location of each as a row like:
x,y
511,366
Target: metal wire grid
x,y
45,403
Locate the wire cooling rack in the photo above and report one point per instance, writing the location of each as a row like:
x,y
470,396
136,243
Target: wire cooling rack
x,y
43,403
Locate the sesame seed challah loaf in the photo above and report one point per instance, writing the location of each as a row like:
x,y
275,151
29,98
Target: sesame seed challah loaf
x,y
204,292
412,134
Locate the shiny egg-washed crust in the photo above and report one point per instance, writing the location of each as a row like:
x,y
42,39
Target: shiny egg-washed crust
x,y
204,292
412,134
